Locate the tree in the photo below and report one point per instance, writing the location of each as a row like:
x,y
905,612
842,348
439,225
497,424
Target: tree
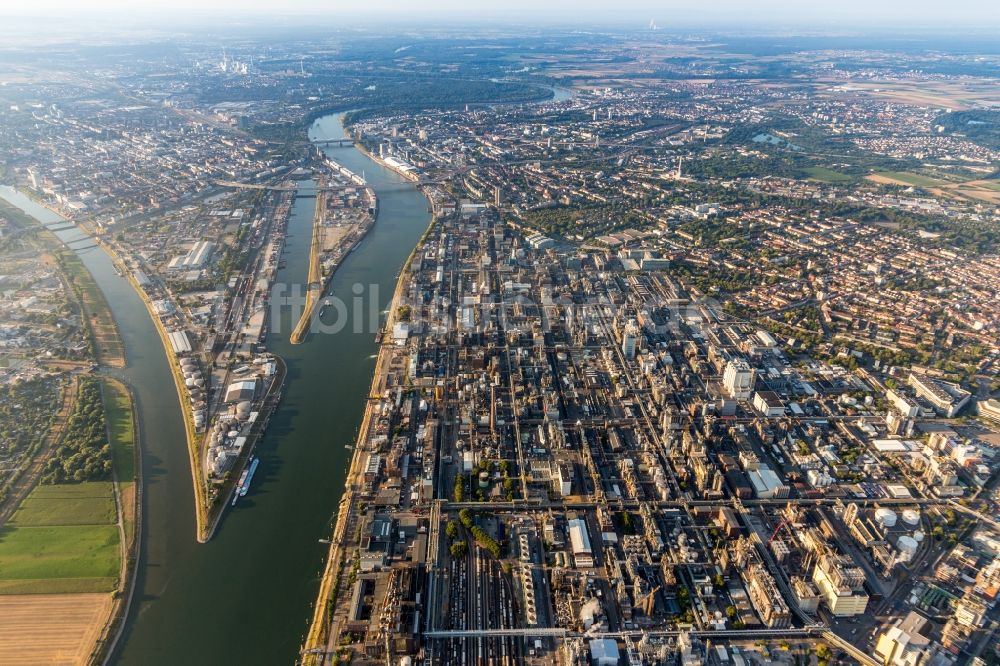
x,y
628,526
465,517
458,491
458,549
730,611
451,529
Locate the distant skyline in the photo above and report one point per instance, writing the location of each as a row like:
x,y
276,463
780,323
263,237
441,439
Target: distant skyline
x,y
854,13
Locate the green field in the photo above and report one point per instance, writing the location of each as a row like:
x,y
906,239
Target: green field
x,y
57,585
54,511
911,178
66,558
71,491
63,538
827,175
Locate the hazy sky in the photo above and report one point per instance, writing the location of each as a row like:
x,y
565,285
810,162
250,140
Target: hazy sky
x,y
982,13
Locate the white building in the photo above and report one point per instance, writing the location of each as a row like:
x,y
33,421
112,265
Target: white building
x,y
564,477
196,257
579,539
738,379
902,404
841,584
947,398
629,340
768,403
904,644
604,652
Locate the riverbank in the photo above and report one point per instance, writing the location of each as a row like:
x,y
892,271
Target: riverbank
x,y
343,245
315,284
411,176
123,434
191,435
179,385
268,404
317,639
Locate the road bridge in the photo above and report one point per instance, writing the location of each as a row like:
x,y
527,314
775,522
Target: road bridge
x,y
334,142
850,648
280,188
558,632
542,505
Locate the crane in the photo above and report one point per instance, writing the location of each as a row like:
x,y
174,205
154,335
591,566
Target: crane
x,y
783,523
648,602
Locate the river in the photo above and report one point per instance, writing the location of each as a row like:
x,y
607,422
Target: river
x,y
246,596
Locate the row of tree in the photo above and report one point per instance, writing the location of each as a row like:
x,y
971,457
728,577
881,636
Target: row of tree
x,y
84,453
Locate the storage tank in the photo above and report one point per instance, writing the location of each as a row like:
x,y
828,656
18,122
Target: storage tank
x,y
911,517
918,536
907,546
484,479
885,517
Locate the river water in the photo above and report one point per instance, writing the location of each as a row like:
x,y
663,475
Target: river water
x,y
246,596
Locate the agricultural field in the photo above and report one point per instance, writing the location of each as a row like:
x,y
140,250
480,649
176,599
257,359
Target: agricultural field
x,y
67,504
64,537
904,178
63,558
63,628
827,175
61,552
970,92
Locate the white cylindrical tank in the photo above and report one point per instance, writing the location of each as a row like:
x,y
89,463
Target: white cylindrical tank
x,y
885,517
907,546
911,517
918,536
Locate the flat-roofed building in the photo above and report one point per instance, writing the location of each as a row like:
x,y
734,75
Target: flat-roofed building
x,y
947,398
243,389
841,584
768,403
579,539
738,379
